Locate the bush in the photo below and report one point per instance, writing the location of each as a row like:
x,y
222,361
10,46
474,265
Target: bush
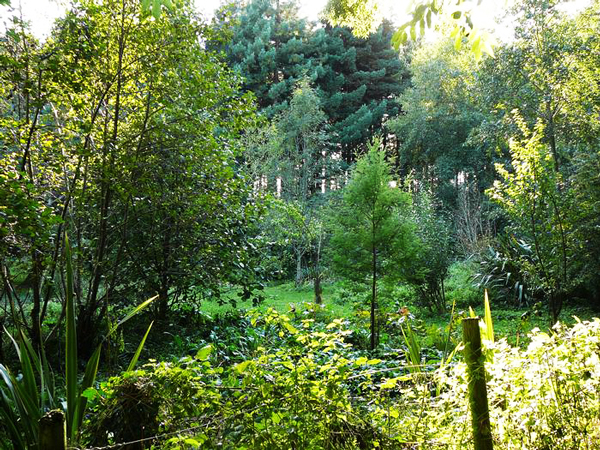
x,y
459,284
292,393
546,396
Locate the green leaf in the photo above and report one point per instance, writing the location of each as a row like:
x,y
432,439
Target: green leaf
x,y
242,367
290,328
204,352
458,41
489,324
89,376
71,342
136,356
90,393
156,5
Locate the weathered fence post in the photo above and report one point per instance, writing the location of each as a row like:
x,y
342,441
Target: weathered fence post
x,y
53,431
480,415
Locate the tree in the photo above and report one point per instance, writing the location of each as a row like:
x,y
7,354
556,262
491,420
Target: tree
x,y
442,109
547,74
294,156
363,17
266,48
533,195
433,251
356,79
129,142
372,234
359,81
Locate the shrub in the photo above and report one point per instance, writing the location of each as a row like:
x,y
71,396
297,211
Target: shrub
x,y
459,285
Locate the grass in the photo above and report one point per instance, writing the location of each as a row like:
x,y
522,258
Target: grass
x,y
514,323
284,297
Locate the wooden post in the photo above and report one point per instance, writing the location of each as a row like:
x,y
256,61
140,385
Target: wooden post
x,y
480,416
53,431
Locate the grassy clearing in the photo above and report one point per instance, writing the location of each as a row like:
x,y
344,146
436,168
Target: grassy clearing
x,y
512,323
283,298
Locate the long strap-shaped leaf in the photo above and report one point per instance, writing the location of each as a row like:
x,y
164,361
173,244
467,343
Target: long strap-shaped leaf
x,y
135,311
136,356
10,420
91,370
71,344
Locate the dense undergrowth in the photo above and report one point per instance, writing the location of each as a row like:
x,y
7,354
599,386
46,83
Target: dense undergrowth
x,y
268,380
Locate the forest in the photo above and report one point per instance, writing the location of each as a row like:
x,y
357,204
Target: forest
x,y
258,231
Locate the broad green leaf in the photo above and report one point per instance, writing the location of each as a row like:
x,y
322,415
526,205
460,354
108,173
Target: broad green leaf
x,y
290,328
242,367
204,352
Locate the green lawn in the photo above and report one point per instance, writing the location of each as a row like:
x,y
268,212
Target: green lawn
x,y
284,297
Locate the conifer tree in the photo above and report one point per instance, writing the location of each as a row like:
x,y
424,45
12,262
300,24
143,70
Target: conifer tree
x,y
373,235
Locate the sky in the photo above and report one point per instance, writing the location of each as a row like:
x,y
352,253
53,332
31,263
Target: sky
x,y
41,13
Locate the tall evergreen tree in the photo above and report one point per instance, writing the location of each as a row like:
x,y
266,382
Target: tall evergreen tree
x,y
360,82
266,48
357,80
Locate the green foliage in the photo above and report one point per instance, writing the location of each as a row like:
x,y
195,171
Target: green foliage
x,y
428,267
25,399
356,79
545,396
363,17
460,286
288,392
499,271
128,139
296,382
442,109
537,202
371,236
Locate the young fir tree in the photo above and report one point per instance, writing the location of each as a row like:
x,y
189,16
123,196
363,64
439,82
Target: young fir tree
x,y
372,236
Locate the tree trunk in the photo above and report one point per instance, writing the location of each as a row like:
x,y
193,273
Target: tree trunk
x,y
317,273
299,275
36,328
374,302
552,135
318,290
163,303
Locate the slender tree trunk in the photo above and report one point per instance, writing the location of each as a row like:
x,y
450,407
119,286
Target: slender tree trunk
x,y
36,328
374,301
163,302
317,270
299,276
552,135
